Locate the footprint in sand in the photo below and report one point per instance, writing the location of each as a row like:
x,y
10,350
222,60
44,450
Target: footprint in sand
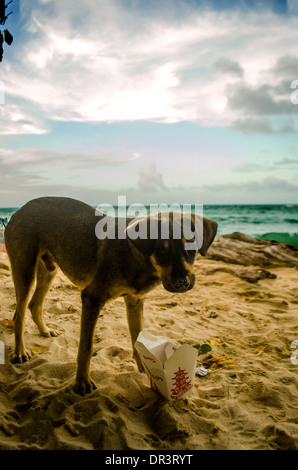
x,y
115,354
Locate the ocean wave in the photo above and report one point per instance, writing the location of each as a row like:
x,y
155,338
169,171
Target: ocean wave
x,y
283,237
291,221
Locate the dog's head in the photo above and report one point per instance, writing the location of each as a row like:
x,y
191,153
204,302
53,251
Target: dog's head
x,y
171,241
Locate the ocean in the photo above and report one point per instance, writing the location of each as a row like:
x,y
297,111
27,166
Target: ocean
x,y
270,222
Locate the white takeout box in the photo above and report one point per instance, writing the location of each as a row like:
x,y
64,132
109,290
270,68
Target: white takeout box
x,y
170,367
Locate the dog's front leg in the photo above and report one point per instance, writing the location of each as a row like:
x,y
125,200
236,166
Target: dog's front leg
x,y
134,309
90,310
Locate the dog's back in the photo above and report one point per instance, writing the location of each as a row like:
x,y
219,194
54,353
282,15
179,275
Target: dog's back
x,y
54,225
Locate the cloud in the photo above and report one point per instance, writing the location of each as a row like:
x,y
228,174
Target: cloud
x,y
31,158
27,173
225,65
43,169
249,167
266,108
15,119
253,125
14,181
150,178
268,186
287,66
109,62
263,100
293,6
265,166
287,161
135,156
272,184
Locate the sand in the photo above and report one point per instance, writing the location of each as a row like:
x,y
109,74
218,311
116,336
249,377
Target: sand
x,y
246,305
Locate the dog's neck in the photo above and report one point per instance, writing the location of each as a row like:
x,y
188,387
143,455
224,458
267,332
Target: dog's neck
x,y
143,260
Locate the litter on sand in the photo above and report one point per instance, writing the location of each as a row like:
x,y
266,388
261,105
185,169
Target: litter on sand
x,y
201,371
9,324
170,367
216,361
8,431
38,350
72,429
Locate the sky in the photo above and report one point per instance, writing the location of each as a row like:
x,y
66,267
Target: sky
x,y
168,101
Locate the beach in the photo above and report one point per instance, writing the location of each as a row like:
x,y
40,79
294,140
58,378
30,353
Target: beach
x,y
244,304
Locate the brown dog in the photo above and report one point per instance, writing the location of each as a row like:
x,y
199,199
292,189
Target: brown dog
x,y
55,231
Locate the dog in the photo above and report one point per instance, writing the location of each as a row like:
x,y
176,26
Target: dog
x,y
51,232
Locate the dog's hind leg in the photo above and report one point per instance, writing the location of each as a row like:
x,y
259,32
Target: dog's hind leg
x,y
46,271
23,277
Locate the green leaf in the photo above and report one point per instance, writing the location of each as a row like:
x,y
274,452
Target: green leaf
x,y
202,349
205,348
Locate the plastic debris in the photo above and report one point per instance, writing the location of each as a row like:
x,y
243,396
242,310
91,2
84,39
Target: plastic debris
x,y
201,371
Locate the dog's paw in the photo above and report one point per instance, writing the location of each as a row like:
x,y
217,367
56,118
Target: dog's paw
x,y
20,357
84,386
48,333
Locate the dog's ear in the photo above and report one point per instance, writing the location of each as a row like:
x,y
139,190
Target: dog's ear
x,y
138,233
209,232
205,231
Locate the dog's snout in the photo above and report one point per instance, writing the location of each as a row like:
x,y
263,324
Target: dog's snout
x,y
183,282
